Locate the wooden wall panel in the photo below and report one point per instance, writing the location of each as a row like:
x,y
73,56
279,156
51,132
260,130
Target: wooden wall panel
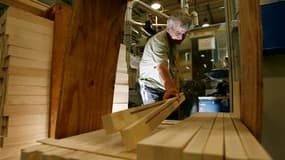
x,y
90,66
251,65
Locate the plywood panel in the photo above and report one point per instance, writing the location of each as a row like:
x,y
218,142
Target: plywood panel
x,y
251,65
90,66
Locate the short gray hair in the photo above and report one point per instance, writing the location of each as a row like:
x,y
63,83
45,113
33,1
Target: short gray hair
x,y
182,17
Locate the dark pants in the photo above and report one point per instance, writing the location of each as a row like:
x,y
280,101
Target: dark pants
x,y
150,95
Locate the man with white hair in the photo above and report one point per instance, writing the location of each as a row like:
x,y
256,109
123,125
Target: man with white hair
x,y
157,67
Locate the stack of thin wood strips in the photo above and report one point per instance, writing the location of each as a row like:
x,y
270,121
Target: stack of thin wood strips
x,y
26,47
121,89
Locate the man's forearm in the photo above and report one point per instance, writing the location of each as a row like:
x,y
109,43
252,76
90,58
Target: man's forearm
x,y
165,76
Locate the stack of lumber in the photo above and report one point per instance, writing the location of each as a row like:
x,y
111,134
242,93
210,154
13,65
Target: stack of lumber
x,y
121,90
202,136
26,47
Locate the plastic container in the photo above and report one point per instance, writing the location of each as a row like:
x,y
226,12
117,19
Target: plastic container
x,y
214,104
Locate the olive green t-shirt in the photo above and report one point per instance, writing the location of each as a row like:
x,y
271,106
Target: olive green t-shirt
x,y
158,50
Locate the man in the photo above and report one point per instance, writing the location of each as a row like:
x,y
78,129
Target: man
x,y
157,67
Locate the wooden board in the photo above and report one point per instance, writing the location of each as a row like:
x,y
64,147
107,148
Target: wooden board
x,y
251,65
252,147
168,144
90,66
194,149
143,127
31,54
95,142
214,148
233,145
116,121
61,14
26,5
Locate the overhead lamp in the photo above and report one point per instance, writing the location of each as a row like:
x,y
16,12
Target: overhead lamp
x,y
156,5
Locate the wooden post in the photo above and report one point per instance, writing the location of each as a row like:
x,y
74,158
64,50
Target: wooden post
x,y
90,65
251,65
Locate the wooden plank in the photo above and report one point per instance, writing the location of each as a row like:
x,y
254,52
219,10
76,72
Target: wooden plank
x,y
29,72
122,78
24,15
13,90
169,143
25,131
28,81
121,98
62,154
33,41
61,15
55,154
119,120
26,63
23,141
34,152
21,52
194,149
19,23
27,100
145,125
37,10
88,87
233,145
236,98
251,65
21,109
29,119
214,149
253,149
95,142
119,107
16,29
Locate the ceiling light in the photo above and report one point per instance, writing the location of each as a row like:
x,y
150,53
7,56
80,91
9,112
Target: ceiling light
x,y
155,5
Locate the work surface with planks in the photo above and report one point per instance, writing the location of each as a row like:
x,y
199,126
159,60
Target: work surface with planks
x,y
201,136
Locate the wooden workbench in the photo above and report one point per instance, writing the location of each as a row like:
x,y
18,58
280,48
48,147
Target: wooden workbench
x,y
201,136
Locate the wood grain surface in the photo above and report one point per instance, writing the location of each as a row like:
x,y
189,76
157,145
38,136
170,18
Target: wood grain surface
x,y
251,65
90,66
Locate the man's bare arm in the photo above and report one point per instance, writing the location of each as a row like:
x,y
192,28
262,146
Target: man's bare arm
x,y
167,81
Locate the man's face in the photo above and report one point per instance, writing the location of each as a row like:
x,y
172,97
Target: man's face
x,y
177,33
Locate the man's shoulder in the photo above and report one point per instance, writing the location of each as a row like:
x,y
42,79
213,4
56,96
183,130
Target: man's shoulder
x,y
160,36
159,39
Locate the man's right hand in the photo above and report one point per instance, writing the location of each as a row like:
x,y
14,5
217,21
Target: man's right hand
x,y
171,93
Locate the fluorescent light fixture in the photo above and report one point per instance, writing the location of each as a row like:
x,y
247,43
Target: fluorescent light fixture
x,y
155,5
